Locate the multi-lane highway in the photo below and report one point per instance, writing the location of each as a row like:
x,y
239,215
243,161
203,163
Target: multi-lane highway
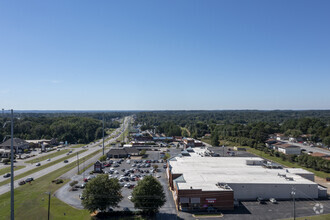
x,y
91,149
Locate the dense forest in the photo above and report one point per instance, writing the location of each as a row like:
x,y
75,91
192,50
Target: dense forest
x,y
246,127
71,127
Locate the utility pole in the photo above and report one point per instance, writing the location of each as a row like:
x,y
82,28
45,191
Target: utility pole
x,y
48,204
12,217
78,162
103,133
293,193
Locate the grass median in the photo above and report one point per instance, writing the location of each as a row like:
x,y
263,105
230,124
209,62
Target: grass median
x,y
57,153
41,167
31,201
77,145
7,169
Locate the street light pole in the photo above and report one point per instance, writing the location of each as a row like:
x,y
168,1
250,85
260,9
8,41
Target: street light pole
x,y
12,217
48,204
103,134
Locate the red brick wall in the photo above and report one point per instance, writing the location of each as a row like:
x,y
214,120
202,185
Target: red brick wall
x,y
224,200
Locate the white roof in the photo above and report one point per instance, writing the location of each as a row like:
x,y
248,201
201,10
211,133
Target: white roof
x,y
205,172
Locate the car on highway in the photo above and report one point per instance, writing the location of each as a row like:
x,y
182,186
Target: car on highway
x,y
21,182
38,164
48,159
6,175
65,161
30,179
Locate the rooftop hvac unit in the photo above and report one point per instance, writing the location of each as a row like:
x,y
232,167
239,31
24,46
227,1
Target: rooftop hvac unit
x,y
289,178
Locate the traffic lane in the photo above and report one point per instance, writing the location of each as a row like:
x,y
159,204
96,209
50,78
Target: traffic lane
x,y
36,175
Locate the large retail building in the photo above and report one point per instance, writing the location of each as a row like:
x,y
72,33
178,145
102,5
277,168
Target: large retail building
x,y
203,182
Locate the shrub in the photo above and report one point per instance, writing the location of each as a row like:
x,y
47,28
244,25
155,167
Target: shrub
x,y
73,183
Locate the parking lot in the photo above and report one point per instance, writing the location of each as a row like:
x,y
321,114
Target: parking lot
x,y
127,171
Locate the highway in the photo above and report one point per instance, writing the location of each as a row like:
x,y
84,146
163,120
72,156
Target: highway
x,y
91,149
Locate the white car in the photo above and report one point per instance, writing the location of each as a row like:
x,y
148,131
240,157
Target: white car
x,y
130,197
116,172
110,176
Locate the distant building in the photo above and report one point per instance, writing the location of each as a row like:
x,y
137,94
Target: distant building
x,y
19,146
122,152
289,149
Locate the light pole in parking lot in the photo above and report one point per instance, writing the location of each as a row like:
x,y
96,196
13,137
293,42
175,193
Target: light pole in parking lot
x,y
293,193
12,217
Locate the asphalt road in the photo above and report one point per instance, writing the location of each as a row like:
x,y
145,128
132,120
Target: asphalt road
x,y
91,149
308,148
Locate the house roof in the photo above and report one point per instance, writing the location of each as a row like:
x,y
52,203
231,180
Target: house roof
x,y
131,150
17,142
117,151
288,146
317,154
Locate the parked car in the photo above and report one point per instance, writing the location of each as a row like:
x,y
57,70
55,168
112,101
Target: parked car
x,y
273,200
261,200
6,175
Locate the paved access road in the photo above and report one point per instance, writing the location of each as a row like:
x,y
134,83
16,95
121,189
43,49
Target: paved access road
x,y
308,148
91,149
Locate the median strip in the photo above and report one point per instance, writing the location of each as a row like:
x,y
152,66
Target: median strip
x,y
41,168
58,153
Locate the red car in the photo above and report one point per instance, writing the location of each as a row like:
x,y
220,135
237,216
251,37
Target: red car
x,y
85,180
107,165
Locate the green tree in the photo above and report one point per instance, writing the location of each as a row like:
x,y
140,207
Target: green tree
x,y
148,195
143,152
215,140
101,193
326,141
103,158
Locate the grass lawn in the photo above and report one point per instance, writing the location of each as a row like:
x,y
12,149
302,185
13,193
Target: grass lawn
x,y
31,202
41,168
55,154
77,145
286,163
7,169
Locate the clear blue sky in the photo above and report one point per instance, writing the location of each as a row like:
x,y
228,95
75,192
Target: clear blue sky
x,y
136,55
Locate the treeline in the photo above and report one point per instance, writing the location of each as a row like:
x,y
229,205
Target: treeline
x,y
246,127
73,129
316,163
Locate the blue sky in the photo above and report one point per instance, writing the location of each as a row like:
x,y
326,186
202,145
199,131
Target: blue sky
x,y
148,55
